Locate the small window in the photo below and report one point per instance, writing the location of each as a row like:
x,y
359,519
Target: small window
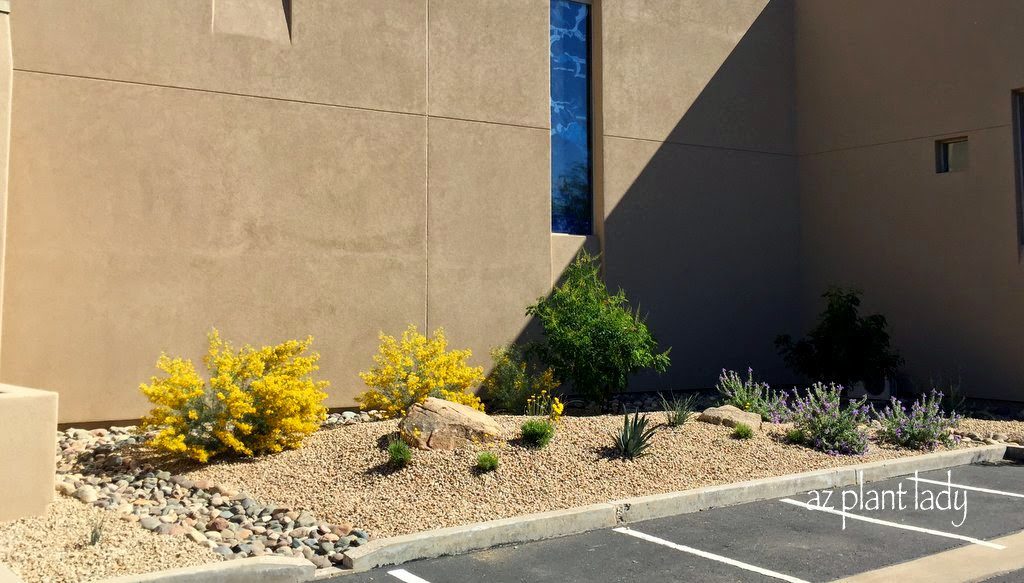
x,y
1018,142
571,147
951,155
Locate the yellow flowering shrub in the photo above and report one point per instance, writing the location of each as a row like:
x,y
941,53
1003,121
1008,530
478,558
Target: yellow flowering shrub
x,y
408,370
256,401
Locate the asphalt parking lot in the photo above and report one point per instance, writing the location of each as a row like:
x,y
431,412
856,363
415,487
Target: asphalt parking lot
x,y
902,521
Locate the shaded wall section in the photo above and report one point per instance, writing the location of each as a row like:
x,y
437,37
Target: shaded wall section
x,y
701,208
878,83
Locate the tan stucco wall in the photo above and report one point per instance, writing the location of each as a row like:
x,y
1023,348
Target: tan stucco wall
x,y
386,164
28,447
700,201
189,174
878,83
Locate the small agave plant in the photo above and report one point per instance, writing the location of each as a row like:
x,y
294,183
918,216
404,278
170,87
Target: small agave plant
x,y
635,437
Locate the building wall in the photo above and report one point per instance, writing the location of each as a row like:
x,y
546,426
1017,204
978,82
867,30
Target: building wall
x,y
364,165
700,202
877,84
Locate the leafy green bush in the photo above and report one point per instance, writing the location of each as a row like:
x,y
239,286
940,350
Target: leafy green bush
x,y
592,338
399,453
753,396
512,381
677,410
635,437
843,347
742,431
924,426
538,432
795,436
824,424
487,461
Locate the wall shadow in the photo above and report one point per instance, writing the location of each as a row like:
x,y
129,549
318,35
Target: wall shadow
x,y
705,238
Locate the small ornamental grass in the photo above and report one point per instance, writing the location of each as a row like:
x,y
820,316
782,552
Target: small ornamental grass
x,y
96,532
399,453
742,431
486,462
538,432
753,396
923,426
678,409
256,401
820,421
635,437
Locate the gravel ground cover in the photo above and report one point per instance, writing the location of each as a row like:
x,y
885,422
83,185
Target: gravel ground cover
x,y
56,548
107,468
341,474
982,429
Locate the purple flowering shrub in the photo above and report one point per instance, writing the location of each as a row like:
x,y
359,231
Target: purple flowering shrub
x,y
753,396
820,421
924,426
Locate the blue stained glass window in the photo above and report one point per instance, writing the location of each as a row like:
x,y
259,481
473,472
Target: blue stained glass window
x,y
571,164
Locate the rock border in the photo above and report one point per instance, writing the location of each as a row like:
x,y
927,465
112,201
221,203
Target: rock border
x,y
532,527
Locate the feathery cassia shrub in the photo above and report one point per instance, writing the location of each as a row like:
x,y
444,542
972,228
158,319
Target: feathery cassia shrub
x,y
256,401
408,370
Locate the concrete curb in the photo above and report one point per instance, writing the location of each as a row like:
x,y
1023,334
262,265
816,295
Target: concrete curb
x,y
7,575
266,568
662,505
531,527
482,535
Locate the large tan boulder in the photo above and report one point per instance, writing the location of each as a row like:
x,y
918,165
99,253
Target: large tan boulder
x,y
729,416
440,424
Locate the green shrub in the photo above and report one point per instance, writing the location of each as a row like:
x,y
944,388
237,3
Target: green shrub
x,y
487,461
742,431
678,410
795,436
538,432
399,453
592,338
843,347
512,381
635,437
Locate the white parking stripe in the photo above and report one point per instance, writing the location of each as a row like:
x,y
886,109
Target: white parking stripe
x,y
707,555
403,575
963,487
976,541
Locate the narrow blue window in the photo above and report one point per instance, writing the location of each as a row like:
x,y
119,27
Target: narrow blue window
x,y
571,159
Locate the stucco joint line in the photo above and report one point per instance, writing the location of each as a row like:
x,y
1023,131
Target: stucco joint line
x,y
904,140
426,170
281,99
705,146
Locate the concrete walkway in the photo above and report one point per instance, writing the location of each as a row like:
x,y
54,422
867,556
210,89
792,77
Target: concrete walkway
x,y
964,525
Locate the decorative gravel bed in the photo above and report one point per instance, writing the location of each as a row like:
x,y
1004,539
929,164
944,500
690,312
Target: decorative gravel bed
x,y
983,429
109,469
341,474
303,502
56,548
